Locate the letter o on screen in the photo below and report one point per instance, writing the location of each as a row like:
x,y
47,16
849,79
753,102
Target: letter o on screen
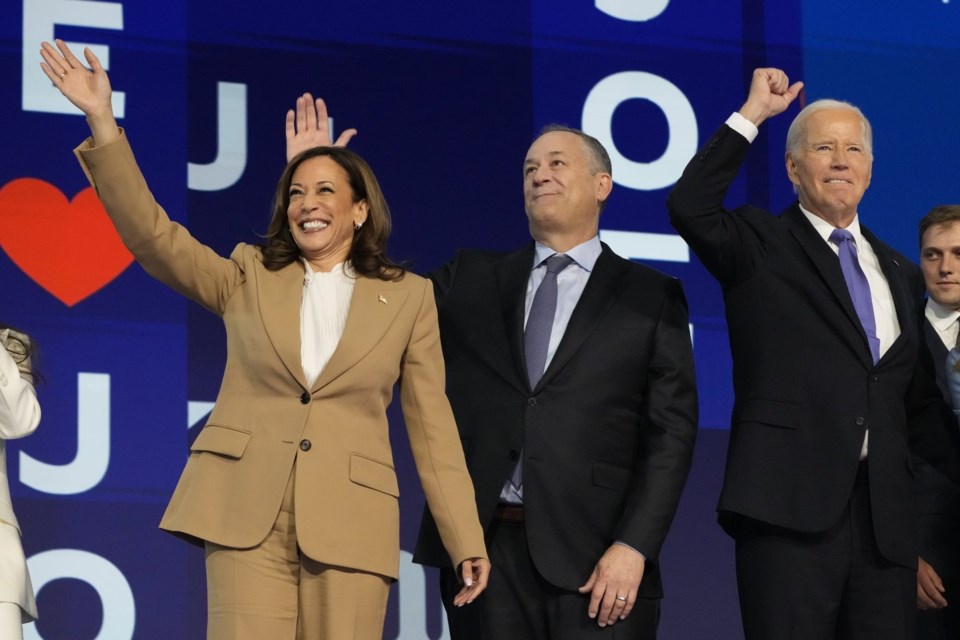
x,y
613,90
632,10
119,611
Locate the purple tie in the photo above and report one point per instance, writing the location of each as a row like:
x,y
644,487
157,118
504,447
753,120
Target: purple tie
x,y
536,337
858,287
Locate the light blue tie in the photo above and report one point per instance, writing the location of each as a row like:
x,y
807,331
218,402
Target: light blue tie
x,y
536,337
858,287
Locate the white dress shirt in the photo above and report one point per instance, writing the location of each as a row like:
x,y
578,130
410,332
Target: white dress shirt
x,y
944,321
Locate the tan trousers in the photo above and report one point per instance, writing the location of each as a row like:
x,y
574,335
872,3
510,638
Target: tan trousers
x,y
273,592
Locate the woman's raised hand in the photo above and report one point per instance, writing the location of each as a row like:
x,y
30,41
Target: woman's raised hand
x,y
309,127
87,88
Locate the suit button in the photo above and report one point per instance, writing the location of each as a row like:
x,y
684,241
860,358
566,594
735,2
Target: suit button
x,y
305,445
3,379
514,455
531,402
874,378
305,397
860,421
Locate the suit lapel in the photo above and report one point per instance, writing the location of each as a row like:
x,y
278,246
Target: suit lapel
x,y
604,286
280,296
513,273
903,301
828,266
939,352
373,307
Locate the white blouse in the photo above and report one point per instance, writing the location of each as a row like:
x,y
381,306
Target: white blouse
x,y
323,315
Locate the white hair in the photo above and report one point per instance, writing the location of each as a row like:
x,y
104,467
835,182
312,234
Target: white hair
x,y
798,128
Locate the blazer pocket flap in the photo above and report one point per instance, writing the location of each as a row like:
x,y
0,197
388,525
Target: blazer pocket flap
x,y
224,441
779,413
611,476
373,474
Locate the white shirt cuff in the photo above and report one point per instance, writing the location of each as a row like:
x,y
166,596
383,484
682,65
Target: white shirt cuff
x,y
743,126
624,544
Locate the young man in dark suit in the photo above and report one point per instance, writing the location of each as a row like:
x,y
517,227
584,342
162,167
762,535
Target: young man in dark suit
x,y
578,423
938,496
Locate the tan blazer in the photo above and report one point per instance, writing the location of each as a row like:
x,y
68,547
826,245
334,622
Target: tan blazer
x,y
266,419
19,417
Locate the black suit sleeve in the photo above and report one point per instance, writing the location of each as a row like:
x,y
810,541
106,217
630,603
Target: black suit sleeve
x,y
443,278
669,423
728,247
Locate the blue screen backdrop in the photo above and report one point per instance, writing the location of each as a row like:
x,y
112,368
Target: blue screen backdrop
x,y
447,97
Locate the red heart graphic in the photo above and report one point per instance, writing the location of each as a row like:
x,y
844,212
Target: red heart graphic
x,y
69,248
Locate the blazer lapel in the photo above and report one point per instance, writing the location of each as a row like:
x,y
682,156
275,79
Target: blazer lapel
x,y
373,308
280,296
604,286
513,273
828,266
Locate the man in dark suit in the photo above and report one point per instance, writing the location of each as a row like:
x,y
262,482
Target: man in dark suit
x,y
938,496
829,375
578,435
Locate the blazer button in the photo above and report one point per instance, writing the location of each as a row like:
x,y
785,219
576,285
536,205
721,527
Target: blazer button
x,y
305,445
531,402
514,455
305,398
3,379
860,421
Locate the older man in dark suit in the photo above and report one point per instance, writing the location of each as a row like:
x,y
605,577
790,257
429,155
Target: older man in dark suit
x,y
829,374
571,376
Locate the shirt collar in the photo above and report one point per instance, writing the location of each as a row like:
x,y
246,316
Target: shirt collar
x,y
940,316
341,269
824,228
585,254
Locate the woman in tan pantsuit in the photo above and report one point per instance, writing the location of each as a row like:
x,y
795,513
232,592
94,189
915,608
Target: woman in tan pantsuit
x,y
290,486
19,417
